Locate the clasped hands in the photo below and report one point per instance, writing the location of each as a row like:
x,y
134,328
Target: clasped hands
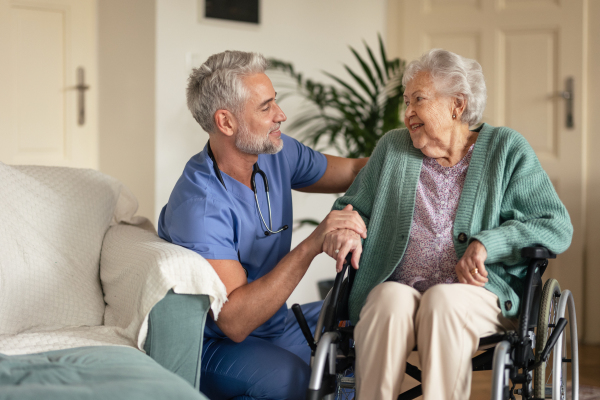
x,y
340,233
338,242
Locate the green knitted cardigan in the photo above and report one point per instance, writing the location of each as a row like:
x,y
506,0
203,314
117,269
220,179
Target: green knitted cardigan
x,y
507,203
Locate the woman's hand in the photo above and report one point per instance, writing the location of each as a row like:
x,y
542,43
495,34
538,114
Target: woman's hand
x,y
339,243
470,268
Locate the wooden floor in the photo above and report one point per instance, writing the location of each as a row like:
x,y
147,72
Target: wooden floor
x,y
589,373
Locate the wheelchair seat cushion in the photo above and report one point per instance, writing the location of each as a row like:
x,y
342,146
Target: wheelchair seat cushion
x,y
92,373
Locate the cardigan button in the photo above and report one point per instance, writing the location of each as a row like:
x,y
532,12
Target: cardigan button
x,y
508,305
462,237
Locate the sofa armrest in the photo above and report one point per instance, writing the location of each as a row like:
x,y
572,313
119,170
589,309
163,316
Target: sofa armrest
x,y
175,334
137,269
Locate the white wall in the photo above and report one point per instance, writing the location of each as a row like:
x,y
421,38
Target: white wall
x,y
313,34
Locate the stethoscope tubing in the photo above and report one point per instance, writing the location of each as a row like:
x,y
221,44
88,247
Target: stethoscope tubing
x,y
255,170
269,229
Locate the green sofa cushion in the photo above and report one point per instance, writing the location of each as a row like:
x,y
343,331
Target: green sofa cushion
x,y
90,373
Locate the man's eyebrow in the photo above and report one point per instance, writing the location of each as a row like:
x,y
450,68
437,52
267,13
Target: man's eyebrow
x,y
264,103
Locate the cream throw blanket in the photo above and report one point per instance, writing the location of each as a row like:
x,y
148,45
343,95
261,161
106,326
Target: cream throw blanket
x,y
75,267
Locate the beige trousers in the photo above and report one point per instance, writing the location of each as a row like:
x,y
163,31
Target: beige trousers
x,y
445,322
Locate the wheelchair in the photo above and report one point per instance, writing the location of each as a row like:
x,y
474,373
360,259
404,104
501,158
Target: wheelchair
x,y
534,357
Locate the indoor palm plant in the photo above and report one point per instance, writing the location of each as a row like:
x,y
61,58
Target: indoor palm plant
x,y
354,114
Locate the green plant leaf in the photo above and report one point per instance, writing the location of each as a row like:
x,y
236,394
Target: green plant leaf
x,y
361,82
338,115
366,69
386,63
347,86
375,64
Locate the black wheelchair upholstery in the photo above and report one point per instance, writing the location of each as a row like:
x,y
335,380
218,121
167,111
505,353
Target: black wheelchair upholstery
x,y
518,357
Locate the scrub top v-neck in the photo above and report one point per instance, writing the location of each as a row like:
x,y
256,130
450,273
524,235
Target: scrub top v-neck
x,y
221,222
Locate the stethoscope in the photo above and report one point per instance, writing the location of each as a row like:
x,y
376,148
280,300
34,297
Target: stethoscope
x,y
255,170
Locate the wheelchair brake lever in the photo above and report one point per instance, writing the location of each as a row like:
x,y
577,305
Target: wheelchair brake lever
x,y
304,327
560,326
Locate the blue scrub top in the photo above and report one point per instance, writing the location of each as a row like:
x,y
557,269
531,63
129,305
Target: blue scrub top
x,y
220,223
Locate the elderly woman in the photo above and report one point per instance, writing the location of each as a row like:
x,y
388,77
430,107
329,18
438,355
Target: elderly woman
x,y
448,209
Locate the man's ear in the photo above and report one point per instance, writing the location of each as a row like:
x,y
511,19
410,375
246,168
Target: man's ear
x,y
225,122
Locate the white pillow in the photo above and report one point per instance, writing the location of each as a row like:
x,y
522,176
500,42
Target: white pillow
x,y
52,223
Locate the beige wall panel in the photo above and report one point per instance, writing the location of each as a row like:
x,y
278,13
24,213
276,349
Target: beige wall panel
x,y
38,38
465,44
435,5
529,81
526,4
592,270
393,34
126,106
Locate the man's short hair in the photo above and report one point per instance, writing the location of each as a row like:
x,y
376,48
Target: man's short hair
x,y
217,85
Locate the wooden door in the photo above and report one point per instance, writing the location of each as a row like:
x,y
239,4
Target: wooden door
x,y
44,119
528,49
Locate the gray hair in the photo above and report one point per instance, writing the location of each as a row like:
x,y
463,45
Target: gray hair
x,y
217,85
454,76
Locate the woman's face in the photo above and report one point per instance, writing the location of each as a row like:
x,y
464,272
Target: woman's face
x,y
428,116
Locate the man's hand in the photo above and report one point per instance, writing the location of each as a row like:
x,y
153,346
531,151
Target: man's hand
x,y
342,219
471,268
339,243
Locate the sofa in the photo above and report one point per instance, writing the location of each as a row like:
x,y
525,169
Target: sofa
x,y
93,304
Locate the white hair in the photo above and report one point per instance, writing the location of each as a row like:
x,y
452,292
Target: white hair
x,y
454,76
217,85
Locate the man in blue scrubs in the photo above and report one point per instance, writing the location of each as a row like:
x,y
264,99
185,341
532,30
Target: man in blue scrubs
x,y
255,349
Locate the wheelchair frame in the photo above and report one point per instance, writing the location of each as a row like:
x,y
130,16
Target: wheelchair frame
x,y
509,355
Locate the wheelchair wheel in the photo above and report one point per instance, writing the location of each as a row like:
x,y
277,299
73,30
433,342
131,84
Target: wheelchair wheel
x,y
548,316
345,385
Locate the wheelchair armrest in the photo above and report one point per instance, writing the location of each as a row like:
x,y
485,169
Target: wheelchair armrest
x,y
538,260
537,253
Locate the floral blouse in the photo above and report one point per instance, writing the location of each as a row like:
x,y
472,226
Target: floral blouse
x,y
430,258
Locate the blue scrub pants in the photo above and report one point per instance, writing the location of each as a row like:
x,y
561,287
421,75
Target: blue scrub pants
x,y
260,368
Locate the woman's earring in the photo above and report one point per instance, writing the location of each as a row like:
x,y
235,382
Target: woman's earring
x,y
453,116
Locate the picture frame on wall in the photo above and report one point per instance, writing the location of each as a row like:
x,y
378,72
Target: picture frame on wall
x,y
233,10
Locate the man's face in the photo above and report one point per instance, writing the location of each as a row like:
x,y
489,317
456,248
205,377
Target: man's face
x,y
258,131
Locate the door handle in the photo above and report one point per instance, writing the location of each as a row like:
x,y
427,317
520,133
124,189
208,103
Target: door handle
x,y
81,88
568,96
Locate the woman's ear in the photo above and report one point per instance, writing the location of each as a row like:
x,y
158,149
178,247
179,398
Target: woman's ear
x,y
225,122
460,104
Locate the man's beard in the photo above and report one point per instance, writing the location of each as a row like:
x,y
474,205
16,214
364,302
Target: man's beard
x,y
254,144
